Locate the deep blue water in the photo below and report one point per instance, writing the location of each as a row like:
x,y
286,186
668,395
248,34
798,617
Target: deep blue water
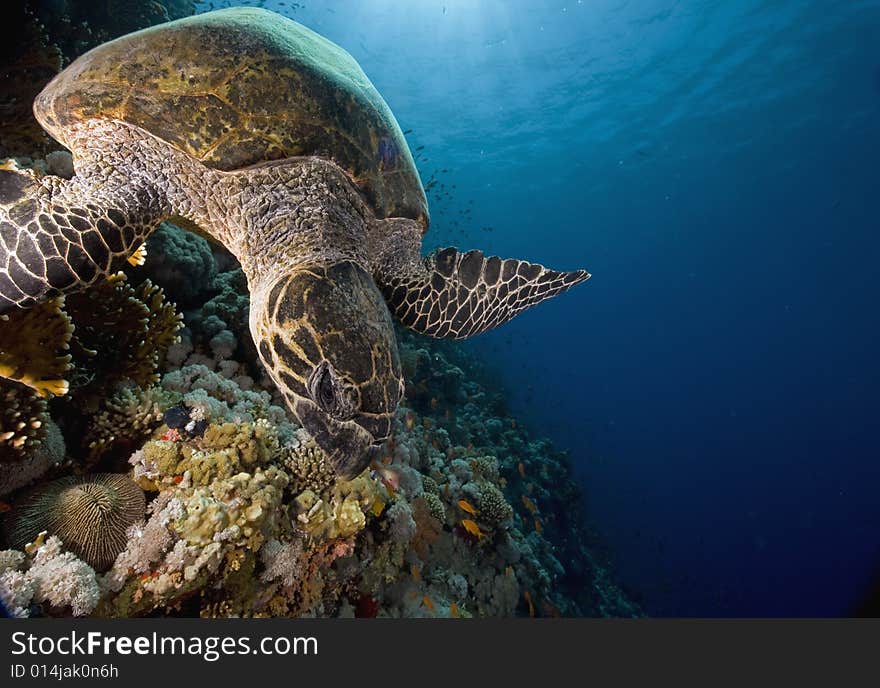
x,y
715,165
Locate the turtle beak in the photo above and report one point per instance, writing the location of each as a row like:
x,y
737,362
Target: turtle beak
x,y
349,447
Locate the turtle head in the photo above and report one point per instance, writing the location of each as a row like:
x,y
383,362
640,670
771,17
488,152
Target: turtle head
x,y
326,337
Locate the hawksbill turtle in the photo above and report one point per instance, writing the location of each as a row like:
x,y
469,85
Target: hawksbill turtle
x,y
255,132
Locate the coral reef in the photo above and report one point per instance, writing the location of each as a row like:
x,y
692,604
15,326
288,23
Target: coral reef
x,y
53,577
150,467
464,515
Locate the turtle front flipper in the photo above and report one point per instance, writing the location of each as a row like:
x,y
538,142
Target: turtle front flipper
x,y
457,295
57,235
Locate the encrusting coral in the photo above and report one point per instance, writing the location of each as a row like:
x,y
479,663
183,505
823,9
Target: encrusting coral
x,y
227,507
89,514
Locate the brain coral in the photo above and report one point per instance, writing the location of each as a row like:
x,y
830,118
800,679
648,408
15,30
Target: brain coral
x,y
90,514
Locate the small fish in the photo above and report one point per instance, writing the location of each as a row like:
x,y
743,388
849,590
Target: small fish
x,y
529,504
429,603
171,435
4,507
388,476
528,597
378,508
407,131
434,403
538,527
418,148
465,505
472,528
416,573
521,467
453,611
409,420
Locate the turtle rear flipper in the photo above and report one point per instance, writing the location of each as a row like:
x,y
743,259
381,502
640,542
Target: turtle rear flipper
x,y
457,295
56,236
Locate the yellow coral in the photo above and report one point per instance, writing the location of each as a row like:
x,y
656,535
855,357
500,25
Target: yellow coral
x,y
225,450
31,342
241,510
22,420
130,330
343,513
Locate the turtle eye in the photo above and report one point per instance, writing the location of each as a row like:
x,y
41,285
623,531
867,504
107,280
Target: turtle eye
x,y
321,387
328,393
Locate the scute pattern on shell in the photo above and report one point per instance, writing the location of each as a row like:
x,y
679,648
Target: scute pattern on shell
x,y
90,514
239,87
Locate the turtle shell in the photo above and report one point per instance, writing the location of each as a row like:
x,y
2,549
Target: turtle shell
x,y
239,87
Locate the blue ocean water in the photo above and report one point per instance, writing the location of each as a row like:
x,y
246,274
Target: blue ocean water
x,y
715,165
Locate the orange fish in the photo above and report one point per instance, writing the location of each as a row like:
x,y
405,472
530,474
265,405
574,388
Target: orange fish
x,y
410,420
528,597
434,403
465,505
471,527
538,527
521,467
453,611
429,603
416,573
529,504
389,477
4,507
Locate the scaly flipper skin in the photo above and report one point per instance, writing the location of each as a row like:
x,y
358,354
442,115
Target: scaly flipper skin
x,y
250,129
56,236
458,295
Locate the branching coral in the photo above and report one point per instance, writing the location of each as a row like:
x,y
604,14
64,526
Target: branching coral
x,y
122,333
127,417
38,461
494,508
23,419
31,346
308,469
